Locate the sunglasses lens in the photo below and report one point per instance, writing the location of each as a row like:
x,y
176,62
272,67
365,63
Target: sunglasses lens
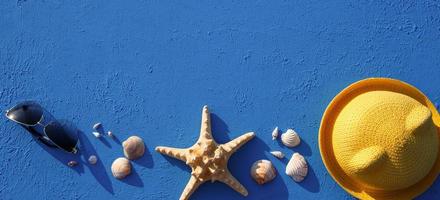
x,y
28,113
63,135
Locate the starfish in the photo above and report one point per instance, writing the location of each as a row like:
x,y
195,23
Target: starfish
x,y
207,159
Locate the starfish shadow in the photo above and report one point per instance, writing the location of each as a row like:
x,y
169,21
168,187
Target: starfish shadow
x,y
239,165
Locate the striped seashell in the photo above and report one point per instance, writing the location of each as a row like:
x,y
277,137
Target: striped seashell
x,y
121,168
275,133
297,167
290,138
263,171
278,154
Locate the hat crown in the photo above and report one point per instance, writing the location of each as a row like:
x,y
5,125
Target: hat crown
x,y
385,140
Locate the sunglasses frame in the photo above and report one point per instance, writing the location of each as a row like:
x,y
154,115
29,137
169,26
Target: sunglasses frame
x,y
42,137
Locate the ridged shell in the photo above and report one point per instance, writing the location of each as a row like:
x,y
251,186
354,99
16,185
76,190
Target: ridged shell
x,y
275,133
121,168
93,159
278,154
134,147
290,138
262,171
297,167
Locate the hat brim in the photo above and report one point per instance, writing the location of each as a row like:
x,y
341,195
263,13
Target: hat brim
x,y
350,185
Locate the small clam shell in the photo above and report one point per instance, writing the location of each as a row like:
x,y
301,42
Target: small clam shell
x,y
121,168
278,154
96,134
275,133
109,133
297,167
290,138
97,126
72,163
262,171
134,147
93,159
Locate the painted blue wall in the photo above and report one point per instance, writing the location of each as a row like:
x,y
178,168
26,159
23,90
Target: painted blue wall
x,y
147,68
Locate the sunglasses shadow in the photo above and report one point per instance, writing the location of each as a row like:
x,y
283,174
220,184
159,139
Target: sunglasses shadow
x,y
86,150
98,169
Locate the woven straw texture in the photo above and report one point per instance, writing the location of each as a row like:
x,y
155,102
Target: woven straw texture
x,y
385,140
379,139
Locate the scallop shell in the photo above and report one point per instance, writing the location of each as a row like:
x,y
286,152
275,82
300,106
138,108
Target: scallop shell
x,y
275,133
134,147
278,154
297,167
121,168
93,159
262,171
96,134
290,138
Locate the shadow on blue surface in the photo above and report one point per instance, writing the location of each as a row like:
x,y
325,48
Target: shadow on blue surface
x,y
146,160
239,167
133,179
86,149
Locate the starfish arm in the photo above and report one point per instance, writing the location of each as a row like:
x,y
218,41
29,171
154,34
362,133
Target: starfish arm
x,y
235,144
173,152
205,128
234,184
190,187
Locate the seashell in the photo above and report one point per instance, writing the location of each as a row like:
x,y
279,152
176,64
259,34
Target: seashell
x,y
278,154
97,126
72,163
110,134
290,138
297,167
93,159
262,171
121,168
275,133
134,147
96,134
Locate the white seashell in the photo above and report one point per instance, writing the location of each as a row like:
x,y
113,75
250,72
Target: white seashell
x,y
134,147
96,134
93,159
290,138
275,133
121,168
262,171
297,167
278,154
109,133
97,126
72,163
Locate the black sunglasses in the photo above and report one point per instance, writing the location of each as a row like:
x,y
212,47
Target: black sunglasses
x,y
30,115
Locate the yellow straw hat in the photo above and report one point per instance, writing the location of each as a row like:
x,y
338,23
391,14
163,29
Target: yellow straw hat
x,y
379,139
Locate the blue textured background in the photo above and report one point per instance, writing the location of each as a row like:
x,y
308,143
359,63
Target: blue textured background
x,y
148,67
